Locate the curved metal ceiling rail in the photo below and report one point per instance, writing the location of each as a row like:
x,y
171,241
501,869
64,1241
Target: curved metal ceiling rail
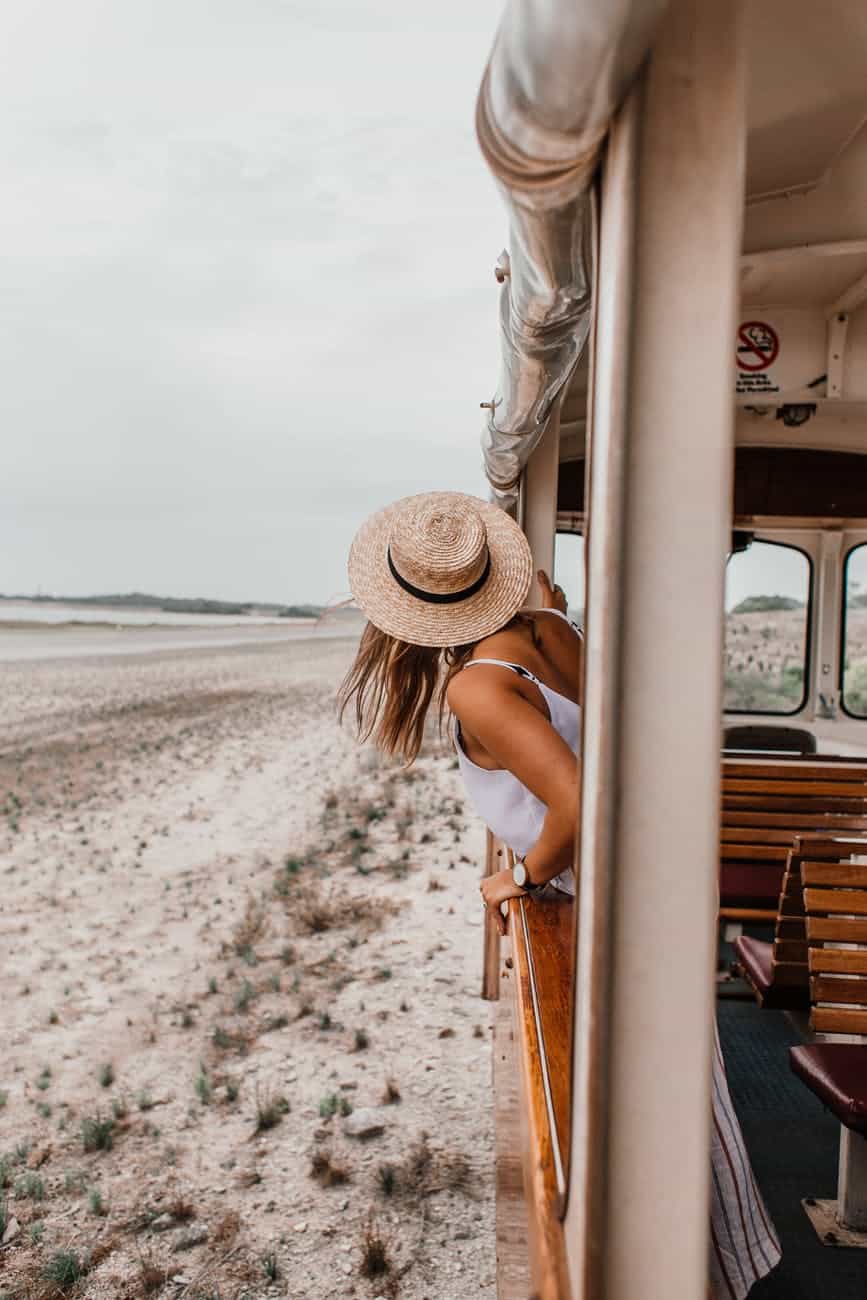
x,y
556,75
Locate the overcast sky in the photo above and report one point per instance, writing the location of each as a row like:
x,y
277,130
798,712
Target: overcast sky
x,y
247,254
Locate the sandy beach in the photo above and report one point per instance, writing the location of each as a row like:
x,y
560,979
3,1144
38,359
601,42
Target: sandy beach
x,y
244,1049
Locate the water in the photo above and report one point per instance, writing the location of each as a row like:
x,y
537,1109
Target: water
x,y
35,611
33,631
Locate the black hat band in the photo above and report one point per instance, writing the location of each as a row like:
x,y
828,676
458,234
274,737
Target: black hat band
x,y
439,597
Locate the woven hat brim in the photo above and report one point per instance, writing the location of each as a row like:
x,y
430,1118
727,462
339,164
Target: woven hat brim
x,y
408,618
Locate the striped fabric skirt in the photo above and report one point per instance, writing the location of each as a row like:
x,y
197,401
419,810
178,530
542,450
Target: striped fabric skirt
x,y
743,1243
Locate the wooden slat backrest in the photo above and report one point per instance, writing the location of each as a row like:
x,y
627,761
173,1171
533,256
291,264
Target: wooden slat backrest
x,y
789,960
794,788
828,768
795,803
776,784
753,858
762,818
835,900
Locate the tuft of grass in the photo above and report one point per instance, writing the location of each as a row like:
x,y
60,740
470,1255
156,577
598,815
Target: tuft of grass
x,y
145,1100
64,1269
245,995
44,1080
226,1227
150,1276
269,1267
106,1075
182,1210
332,1104
97,1133
96,1203
287,954
213,987
326,1172
270,1109
375,1261
386,1176
203,1086
4,1097
119,1107
391,1094
31,1186
74,1180
324,1020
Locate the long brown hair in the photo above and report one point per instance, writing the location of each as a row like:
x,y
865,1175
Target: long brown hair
x,y
392,685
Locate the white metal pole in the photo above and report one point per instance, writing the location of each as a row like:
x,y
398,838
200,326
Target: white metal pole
x,y
637,1219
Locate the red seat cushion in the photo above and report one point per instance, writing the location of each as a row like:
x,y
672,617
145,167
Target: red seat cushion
x,y
754,956
837,1074
744,884
755,959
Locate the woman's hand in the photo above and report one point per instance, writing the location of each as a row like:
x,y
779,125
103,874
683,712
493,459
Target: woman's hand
x,y
497,889
552,597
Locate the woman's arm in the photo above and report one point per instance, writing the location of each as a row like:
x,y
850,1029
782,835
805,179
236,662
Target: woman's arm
x,y
522,740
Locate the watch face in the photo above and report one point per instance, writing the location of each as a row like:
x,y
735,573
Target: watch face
x,y
519,874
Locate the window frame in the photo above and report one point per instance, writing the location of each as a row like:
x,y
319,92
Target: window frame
x,y
844,603
808,647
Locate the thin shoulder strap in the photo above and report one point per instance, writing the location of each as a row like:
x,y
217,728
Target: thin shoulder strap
x,y
501,663
565,618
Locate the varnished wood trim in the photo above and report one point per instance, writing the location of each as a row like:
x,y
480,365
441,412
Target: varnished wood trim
x,y
836,928
837,874
838,1020
544,1066
544,1180
843,902
838,961
835,988
761,915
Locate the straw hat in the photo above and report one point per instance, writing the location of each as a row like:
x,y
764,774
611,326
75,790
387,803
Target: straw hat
x,y
440,569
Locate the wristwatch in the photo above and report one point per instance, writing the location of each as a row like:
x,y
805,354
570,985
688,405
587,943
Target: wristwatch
x,y
521,877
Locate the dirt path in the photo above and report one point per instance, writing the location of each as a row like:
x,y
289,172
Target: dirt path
x,y
219,916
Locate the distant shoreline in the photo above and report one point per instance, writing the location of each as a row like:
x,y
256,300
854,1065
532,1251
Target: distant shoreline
x,y
58,630
140,600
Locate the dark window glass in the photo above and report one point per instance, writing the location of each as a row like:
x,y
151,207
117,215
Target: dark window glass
x,y
855,633
767,629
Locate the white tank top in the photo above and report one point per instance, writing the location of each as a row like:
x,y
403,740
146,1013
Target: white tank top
x,y
504,803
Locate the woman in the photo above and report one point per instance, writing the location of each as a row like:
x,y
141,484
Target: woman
x,y
442,578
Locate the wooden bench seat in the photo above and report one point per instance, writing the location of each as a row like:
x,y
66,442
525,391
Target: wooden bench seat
x,y
778,972
762,802
835,905
837,1074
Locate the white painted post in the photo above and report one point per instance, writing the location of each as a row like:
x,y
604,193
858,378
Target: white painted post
x,y
661,466
852,1181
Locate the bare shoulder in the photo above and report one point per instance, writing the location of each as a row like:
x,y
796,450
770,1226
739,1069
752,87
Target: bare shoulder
x,y
558,626
471,692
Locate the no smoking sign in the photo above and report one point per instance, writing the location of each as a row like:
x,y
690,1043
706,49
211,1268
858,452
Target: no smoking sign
x,y
758,346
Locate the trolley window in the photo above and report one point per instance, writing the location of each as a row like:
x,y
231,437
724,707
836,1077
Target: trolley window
x,y
854,677
767,635
569,571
